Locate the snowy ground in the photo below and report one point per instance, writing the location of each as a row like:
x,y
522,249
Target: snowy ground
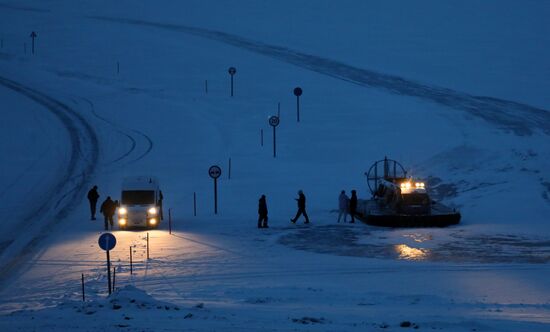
x,y
456,91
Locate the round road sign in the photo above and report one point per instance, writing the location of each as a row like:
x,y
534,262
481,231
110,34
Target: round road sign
x,y
215,171
232,70
107,241
298,91
274,121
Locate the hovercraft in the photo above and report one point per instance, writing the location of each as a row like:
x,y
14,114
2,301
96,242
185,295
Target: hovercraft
x,y
400,201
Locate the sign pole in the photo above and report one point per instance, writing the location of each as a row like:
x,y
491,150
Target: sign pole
x,y
274,143
298,92
107,242
83,294
215,172
109,271
215,196
274,122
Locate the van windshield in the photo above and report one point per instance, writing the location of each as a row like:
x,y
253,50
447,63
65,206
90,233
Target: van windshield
x,y
138,197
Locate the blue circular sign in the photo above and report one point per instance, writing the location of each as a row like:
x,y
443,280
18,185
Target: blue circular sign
x,y
107,241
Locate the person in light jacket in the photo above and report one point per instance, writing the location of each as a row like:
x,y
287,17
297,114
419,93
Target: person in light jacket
x,y
353,206
343,204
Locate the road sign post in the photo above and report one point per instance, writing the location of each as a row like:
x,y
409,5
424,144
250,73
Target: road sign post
x,y
274,122
298,92
215,172
33,35
232,71
107,242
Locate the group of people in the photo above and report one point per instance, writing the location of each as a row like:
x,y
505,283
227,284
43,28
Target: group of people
x,y
108,207
346,206
262,210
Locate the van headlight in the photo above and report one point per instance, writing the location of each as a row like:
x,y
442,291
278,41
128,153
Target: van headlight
x,y
122,221
152,221
152,211
122,211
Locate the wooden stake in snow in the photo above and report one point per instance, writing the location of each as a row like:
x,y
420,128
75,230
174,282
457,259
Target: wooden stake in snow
x,y
170,221
147,245
131,262
83,294
194,204
33,36
261,137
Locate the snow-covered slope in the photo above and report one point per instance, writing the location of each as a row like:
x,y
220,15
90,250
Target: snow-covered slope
x,y
456,91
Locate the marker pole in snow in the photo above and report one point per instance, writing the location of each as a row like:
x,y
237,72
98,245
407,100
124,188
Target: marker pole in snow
x,y
33,35
229,173
169,221
83,294
114,278
274,122
194,204
261,137
298,92
215,172
232,71
147,245
131,262
117,67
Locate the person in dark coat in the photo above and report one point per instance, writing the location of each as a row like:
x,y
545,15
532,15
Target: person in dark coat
x,y
108,209
262,213
93,196
353,205
301,208
161,198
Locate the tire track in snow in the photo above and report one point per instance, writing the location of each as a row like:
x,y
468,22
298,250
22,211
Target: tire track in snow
x,y
522,119
132,140
69,188
130,137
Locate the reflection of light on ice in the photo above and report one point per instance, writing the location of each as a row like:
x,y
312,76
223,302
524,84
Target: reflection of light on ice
x,y
410,253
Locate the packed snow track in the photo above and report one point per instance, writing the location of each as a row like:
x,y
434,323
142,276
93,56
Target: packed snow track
x,y
508,115
69,187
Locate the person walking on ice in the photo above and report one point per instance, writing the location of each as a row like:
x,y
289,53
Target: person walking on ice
x,y
343,204
108,209
93,196
262,213
301,208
